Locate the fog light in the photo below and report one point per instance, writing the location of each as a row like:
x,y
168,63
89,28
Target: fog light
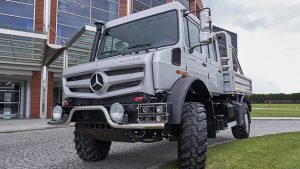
x,y
159,109
117,112
57,113
158,118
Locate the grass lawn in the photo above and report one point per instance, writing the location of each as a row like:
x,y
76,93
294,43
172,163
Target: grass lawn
x,y
280,151
277,110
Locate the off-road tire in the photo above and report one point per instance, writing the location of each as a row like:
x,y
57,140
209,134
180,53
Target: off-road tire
x,y
192,143
89,149
242,132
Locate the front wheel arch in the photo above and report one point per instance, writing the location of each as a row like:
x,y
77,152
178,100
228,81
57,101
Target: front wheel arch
x,y
186,89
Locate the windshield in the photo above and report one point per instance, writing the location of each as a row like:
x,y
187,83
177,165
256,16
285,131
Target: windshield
x,y
143,34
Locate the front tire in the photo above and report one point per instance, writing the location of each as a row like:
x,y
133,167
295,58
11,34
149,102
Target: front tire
x,y
243,131
192,143
88,148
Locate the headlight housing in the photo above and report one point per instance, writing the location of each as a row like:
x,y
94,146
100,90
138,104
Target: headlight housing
x,y
57,113
117,112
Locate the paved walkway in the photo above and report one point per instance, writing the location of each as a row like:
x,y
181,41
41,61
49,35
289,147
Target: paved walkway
x,y
17,125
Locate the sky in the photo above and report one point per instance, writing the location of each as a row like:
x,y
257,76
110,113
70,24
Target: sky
x,y
268,40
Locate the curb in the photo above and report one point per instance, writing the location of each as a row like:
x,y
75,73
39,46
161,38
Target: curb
x,y
36,129
275,118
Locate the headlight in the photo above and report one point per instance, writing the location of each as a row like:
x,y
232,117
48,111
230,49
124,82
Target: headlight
x,y
146,109
117,112
57,113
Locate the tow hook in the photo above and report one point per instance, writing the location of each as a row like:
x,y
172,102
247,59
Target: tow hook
x,y
137,134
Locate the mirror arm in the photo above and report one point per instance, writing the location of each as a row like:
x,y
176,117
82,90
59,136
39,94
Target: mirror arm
x,y
191,50
199,10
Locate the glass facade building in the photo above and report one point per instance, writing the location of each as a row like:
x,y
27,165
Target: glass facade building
x,y
17,14
73,14
140,5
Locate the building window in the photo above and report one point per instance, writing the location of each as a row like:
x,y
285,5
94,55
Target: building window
x,y
73,14
10,95
214,49
11,17
140,5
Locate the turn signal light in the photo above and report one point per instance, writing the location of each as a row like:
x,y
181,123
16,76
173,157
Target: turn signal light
x,y
138,99
66,103
183,73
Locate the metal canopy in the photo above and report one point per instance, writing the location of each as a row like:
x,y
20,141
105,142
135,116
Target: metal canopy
x,y
28,48
21,47
78,48
50,53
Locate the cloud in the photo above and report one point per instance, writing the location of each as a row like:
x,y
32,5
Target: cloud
x,y
268,39
253,24
268,14
265,87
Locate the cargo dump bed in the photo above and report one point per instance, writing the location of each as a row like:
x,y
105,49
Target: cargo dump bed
x,y
233,77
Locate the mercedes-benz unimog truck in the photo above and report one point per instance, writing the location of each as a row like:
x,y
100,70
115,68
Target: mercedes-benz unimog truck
x,y
157,74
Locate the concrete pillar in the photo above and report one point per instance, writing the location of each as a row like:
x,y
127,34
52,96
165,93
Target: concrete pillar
x,y
28,98
50,93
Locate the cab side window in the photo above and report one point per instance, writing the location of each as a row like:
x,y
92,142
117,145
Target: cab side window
x,y
191,35
212,51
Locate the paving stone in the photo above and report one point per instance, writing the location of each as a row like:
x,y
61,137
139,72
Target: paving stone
x,y
54,149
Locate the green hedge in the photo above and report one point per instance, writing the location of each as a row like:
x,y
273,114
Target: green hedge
x,y
281,98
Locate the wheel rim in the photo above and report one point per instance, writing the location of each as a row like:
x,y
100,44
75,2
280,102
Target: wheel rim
x,y
247,122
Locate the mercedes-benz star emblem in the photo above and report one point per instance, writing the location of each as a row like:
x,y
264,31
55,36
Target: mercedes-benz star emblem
x,y
96,82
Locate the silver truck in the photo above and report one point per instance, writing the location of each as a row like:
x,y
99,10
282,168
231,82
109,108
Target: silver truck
x,y
161,73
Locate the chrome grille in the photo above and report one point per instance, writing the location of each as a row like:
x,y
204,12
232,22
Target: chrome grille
x,y
117,79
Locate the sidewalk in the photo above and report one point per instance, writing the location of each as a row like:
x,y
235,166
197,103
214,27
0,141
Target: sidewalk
x,y
275,118
17,125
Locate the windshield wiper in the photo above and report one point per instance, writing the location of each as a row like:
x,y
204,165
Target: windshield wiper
x,y
136,46
139,46
108,52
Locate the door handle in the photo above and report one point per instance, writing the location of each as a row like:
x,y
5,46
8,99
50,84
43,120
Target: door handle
x,y
219,71
203,64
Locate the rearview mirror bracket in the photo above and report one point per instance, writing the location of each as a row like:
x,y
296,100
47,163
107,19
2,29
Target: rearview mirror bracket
x,y
202,43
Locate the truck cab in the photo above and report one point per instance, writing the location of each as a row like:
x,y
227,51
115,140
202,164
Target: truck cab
x,y
157,74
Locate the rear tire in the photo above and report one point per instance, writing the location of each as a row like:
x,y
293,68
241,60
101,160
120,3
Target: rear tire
x,y
192,143
243,131
88,148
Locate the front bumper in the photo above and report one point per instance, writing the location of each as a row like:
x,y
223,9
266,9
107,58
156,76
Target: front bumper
x,y
103,110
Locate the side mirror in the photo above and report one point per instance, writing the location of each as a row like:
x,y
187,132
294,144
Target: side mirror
x,y
205,20
202,43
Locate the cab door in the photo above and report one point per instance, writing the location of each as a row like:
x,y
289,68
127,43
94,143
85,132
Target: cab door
x,y
215,73
196,61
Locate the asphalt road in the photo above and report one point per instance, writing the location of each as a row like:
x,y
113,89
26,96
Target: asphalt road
x,y
54,148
